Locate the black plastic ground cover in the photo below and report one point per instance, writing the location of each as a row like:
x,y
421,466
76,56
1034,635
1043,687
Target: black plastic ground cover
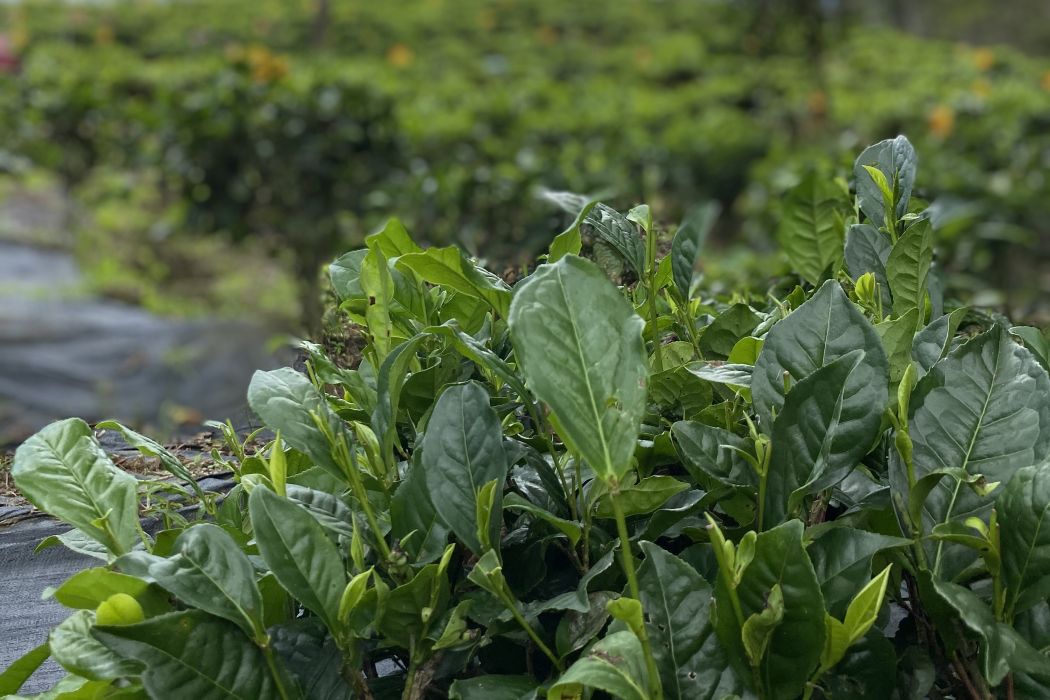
x,y
26,617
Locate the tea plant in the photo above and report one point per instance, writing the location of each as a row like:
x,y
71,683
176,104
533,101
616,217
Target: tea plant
x,y
567,489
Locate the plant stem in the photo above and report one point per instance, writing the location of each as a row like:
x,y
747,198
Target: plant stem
x,y
271,663
540,644
654,315
627,561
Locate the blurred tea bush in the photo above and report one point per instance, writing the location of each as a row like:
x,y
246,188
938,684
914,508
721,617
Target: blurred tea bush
x,y
302,124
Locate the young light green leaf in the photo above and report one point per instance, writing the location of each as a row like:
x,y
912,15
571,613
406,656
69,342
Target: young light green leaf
x,y
485,507
63,471
462,451
628,611
297,550
759,627
86,589
862,611
836,642
590,368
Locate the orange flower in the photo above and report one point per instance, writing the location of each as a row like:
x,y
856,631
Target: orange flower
x,y
941,121
983,59
981,88
104,35
400,56
817,103
547,35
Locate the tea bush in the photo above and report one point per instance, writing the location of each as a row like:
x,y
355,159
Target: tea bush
x,y
567,488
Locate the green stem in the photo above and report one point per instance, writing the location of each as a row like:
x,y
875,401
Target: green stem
x,y
410,679
654,316
627,561
271,663
533,636
362,496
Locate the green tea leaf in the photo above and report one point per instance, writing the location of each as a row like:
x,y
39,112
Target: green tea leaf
x,y
811,228
493,687
842,561
449,267
208,570
613,228
297,550
981,410
285,400
896,159
687,243
828,423
573,531
15,676
711,455
462,451
1036,341
797,642
590,368
1023,509
152,448
73,647
643,497
413,519
822,330
868,250
63,471
678,601
615,665
192,654
909,266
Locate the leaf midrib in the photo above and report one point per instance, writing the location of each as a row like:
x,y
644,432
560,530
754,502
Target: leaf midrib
x,y
586,375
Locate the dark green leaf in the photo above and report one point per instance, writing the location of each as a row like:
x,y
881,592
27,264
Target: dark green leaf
x,y
192,654
462,451
1024,531
412,513
897,160
868,250
687,243
983,410
811,228
830,420
296,549
816,334
909,266
677,603
209,571
73,647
